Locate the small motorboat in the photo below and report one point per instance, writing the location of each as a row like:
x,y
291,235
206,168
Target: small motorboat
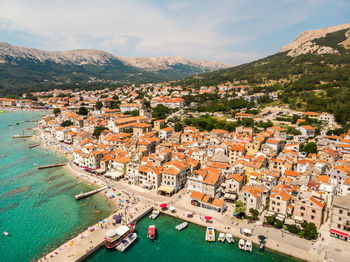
x,y
181,226
152,232
248,246
125,243
221,237
5,233
210,234
261,247
229,238
155,214
241,244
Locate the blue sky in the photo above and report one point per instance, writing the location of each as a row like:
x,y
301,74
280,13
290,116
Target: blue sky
x,y
234,32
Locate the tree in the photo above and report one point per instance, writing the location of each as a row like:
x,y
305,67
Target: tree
x,y
160,111
67,123
98,105
98,130
294,229
279,223
178,127
254,212
309,148
309,230
83,111
271,220
239,208
56,111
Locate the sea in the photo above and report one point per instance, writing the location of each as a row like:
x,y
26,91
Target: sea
x,y
38,210
37,207
188,245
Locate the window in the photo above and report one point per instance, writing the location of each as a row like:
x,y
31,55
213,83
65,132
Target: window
x,y
313,211
339,218
302,214
340,211
312,217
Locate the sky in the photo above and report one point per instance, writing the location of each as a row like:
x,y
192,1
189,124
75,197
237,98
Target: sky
x,y
234,32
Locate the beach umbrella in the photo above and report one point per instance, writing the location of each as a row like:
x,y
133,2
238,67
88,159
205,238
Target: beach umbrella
x,y
207,218
117,218
163,205
118,193
261,237
172,209
113,189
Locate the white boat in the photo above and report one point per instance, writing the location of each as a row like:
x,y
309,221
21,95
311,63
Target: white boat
x,y
155,214
248,246
181,226
221,237
241,244
210,234
125,243
5,233
229,238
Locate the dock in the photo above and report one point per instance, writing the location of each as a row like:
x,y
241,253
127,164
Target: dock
x,y
51,166
21,136
86,194
93,241
35,145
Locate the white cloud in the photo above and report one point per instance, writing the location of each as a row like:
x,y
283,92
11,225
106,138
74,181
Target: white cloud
x,y
195,29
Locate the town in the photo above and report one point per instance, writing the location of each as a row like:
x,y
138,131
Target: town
x,y
281,167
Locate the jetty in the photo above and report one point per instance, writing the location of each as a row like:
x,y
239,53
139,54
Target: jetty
x,y
21,136
35,145
50,166
86,194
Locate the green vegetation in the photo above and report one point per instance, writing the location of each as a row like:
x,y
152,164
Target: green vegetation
x,y
98,130
309,148
239,208
98,105
83,111
56,111
160,112
297,78
67,123
309,230
178,127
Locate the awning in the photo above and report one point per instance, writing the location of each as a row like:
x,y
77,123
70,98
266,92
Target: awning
x,y
339,232
88,168
166,189
171,208
207,218
298,218
247,231
163,205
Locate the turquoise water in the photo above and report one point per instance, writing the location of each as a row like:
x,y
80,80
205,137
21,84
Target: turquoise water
x,y
187,245
37,207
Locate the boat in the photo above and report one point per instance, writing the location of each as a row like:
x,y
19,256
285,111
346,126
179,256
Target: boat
x,y
5,233
181,226
248,246
241,244
155,214
210,234
229,238
114,237
151,232
261,247
125,243
221,237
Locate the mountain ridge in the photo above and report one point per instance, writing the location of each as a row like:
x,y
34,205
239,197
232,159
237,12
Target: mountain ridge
x,y
99,57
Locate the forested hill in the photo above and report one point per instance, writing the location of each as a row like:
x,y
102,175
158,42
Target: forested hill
x,y
313,75
323,60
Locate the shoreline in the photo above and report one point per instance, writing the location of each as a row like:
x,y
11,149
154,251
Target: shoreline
x,y
93,180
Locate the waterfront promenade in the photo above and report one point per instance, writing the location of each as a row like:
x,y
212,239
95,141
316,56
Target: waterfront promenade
x,y
325,248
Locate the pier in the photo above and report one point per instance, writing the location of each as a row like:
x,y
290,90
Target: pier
x,y
86,194
84,247
35,145
21,136
51,166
